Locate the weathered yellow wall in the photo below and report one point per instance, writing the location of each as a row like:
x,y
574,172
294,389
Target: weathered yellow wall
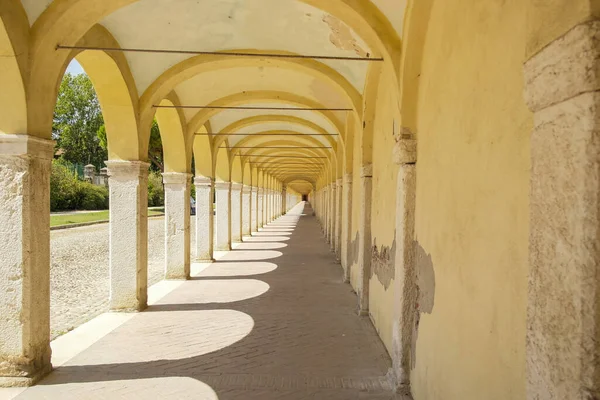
x,y
472,203
383,215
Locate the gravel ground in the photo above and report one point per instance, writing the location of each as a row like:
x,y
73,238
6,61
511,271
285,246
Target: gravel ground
x,y
79,285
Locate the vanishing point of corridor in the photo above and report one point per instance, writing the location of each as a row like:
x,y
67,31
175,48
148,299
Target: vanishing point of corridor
x,y
269,320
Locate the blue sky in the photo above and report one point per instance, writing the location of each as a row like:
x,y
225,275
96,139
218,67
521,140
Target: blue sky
x,y
75,68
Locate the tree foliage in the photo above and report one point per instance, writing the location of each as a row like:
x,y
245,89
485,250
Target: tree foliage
x,y
67,192
155,150
78,120
79,127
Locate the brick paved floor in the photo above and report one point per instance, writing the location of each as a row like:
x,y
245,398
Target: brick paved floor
x,y
270,320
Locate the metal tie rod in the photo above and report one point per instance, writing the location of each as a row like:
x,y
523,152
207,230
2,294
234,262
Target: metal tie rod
x,y
255,108
261,156
218,53
267,134
277,147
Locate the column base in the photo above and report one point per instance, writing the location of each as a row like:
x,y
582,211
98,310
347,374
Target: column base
x,y
134,309
363,313
26,380
396,384
177,278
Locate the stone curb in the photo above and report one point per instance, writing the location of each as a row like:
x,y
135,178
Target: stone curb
x,y
80,224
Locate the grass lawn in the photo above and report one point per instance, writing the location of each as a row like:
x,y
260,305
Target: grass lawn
x,y
68,219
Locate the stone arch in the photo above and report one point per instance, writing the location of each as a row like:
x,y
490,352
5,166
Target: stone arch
x,y
66,24
369,114
260,119
203,158
236,170
264,96
417,20
197,65
254,172
116,93
177,152
13,51
222,165
295,178
247,174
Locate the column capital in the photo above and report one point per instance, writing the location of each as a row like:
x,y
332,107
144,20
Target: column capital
x,y
348,178
339,182
366,171
118,169
246,188
261,190
203,181
236,186
14,145
223,185
254,189
405,151
176,178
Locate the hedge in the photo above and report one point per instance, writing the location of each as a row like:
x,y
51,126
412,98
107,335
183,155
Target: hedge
x,y
67,192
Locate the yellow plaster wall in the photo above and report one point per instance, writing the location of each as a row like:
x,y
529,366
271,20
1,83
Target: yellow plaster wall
x,y
472,202
383,215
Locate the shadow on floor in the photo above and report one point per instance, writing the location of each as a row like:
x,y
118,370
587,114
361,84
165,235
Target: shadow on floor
x,y
254,325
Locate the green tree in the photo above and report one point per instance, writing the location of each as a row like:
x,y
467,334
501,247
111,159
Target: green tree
x,y
78,121
155,150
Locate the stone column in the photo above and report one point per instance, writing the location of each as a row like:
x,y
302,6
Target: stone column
x,y
254,209
204,218
236,212
405,291
333,206
347,227
284,201
267,206
25,164
128,243
364,239
271,204
562,89
260,206
325,212
223,190
177,225
246,197
338,219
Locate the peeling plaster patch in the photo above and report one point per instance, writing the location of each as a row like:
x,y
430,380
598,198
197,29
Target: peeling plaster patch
x,y
353,253
425,292
341,36
383,263
425,280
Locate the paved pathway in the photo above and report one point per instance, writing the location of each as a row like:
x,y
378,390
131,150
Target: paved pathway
x,y
269,320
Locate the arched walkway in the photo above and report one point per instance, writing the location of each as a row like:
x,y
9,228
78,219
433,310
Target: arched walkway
x,y
447,149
